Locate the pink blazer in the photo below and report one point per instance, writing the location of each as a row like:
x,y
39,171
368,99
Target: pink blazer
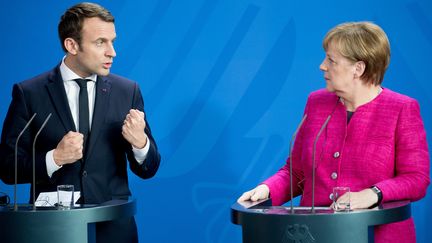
x,y
384,144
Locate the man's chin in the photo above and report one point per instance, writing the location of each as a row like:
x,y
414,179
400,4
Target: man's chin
x,y
103,72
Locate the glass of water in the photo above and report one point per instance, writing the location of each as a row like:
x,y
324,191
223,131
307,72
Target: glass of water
x,y
65,196
344,204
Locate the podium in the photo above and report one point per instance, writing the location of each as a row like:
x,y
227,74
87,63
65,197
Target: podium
x,y
48,224
262,223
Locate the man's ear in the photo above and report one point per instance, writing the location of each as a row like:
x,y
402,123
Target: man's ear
x,y
360,68
71,46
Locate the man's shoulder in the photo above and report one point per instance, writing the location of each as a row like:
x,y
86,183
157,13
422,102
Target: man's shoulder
x,y
117,79
41,79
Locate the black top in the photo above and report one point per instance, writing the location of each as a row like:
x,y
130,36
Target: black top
x,y
349,115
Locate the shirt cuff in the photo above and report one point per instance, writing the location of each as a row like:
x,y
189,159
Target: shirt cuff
x,y
141,154
50,163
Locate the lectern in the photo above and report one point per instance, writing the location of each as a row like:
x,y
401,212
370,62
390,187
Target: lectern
x,y
47,224
263,223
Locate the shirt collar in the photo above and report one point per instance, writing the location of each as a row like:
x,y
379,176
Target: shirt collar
x,y
69,75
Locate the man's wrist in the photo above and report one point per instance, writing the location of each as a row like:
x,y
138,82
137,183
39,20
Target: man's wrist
x,y
141,145
51,165
56,160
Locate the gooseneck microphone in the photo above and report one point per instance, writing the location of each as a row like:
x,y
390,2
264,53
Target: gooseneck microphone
x,y
290,159
16,160
313,161
34,158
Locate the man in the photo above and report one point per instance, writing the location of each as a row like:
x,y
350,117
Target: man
x,y
90,135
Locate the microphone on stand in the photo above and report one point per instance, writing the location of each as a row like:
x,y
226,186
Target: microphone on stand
x,y
16,160
313,161
34,158
290,159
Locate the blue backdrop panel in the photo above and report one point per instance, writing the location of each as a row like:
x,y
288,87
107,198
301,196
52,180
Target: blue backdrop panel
x,y
225,83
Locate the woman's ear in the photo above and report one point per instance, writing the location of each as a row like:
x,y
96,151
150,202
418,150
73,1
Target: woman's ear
x,y
360,68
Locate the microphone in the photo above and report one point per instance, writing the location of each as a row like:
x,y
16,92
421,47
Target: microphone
x,y
16,160
290,159
34,158
313,161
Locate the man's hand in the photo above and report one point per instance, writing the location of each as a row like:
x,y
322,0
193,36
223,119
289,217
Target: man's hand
x,y
133,129
70,149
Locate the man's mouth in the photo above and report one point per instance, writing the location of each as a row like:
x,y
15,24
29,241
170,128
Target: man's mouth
x,y
107,65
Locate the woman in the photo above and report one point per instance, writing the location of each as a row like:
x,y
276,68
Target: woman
x,y
375,141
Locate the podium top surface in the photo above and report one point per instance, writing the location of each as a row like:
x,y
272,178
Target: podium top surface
x,y
88,212
385,213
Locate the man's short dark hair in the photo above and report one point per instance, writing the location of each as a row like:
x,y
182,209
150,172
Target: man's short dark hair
x,y
71,23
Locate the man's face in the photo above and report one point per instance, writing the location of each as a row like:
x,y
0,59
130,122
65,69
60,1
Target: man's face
x,y
96,51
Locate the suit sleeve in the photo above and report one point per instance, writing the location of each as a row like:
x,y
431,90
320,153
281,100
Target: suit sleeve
x,y
17,116
151,164
411,158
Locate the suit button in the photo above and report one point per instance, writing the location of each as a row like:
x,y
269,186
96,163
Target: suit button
x,y
331,196
336,155
334,175
84,174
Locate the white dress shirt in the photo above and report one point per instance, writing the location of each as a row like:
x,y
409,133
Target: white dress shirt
x,y
72,93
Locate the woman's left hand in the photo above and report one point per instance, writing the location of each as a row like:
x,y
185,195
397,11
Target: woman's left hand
x,y
359,200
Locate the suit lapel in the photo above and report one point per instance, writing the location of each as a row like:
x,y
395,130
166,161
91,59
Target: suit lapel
x,y
103,90
59,100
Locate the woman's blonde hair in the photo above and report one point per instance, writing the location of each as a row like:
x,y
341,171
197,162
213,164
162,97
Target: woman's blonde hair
x,y
362,41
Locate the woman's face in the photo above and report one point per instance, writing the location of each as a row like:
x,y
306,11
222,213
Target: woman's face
x,y
339,72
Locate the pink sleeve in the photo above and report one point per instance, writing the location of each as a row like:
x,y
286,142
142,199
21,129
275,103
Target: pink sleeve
x,y
279,184
411,158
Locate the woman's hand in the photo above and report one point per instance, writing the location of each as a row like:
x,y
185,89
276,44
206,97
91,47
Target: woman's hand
x,y
359,200
258,193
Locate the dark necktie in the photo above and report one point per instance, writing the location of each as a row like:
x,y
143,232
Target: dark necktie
x,y
84,126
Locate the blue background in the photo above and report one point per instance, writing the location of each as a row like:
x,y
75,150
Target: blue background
x,y
225,83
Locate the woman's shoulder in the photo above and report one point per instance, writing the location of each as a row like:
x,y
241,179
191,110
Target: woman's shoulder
x,y
322,96
321,101
391,97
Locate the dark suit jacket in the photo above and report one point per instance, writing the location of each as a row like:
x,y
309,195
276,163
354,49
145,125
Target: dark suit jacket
x,y
102,174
